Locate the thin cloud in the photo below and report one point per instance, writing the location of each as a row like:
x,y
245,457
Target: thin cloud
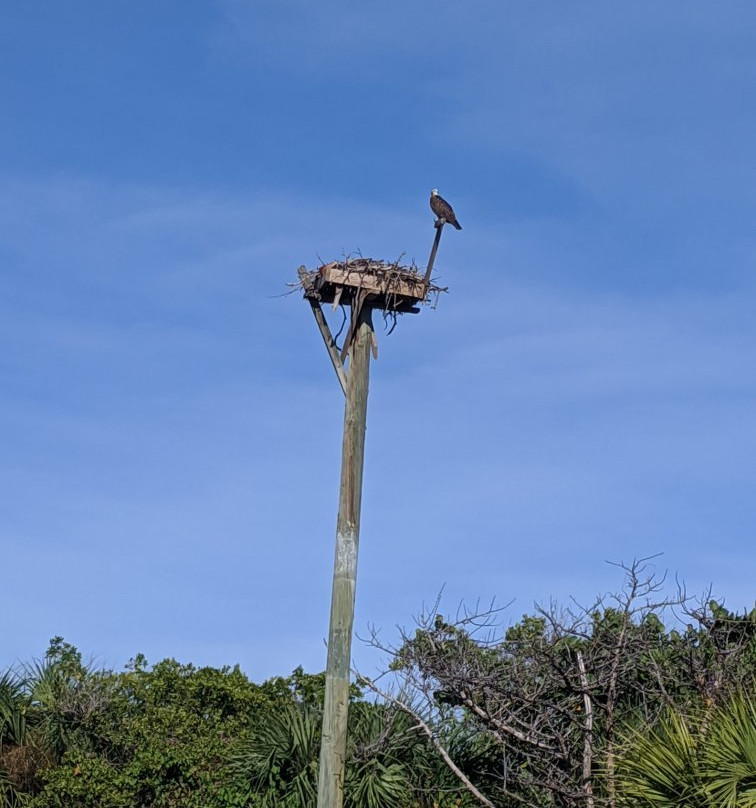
x,y
163,412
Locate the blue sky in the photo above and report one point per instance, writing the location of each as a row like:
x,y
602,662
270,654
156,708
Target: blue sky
x,y
170,425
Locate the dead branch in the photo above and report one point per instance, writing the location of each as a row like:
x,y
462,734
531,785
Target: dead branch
x,y
461,776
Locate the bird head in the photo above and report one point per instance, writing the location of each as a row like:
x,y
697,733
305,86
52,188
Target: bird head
x,y
434,192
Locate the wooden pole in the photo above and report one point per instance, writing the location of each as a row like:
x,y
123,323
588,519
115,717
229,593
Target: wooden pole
x,y
334,738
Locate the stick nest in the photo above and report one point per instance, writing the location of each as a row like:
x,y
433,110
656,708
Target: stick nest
x,y
385,285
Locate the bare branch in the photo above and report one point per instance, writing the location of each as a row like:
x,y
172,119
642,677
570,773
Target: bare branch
x,y
463,778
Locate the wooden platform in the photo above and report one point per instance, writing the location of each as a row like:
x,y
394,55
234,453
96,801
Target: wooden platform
x,y
363,284
377,284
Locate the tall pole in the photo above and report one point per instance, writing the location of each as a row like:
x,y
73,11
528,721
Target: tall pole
x,y
334,738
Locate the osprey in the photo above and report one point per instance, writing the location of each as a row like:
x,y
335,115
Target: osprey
x,y
443,209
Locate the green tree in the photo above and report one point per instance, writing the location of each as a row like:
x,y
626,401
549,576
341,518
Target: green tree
x,y
45,709
162,740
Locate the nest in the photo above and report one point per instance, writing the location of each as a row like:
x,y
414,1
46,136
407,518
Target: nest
x,y
365,281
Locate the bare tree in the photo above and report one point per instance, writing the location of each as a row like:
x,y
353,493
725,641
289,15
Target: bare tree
x,y
553,692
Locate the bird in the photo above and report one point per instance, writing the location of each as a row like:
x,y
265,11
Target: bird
x,y
443,209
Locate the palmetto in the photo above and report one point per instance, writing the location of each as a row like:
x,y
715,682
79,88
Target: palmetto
x,y
45,711
280,762
706,761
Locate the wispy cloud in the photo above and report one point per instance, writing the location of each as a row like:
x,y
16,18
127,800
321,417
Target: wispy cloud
x,y
171,429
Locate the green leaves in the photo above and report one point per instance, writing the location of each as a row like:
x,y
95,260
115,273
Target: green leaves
x,y
173,735
660,769
728,758
560,705
705,762
374,784
279,762
76,736
13,710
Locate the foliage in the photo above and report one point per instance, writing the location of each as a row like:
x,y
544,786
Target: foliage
x,y
701,761
556,692
386,759
585,707
161,739
76,736
660,769
729,755
279,761
175,735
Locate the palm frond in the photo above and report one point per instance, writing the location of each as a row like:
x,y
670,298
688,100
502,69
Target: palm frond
x,y
729,756
660,769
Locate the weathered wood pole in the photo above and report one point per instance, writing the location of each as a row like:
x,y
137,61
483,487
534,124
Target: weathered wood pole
x,y
334,738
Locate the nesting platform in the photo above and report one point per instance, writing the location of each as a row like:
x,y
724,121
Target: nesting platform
x,y
365,281
363,284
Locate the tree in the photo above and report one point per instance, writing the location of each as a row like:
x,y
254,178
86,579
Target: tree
x,y
45,710
175,735
162,739
553,711
555,690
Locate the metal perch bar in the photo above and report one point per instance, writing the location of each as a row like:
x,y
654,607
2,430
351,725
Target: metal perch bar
x,y
439,227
